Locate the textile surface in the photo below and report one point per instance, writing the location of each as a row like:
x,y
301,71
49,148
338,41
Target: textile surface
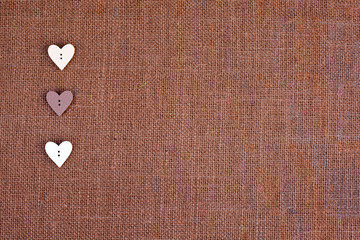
x,y
190,120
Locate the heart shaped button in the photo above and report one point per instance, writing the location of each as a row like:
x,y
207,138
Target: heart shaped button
x,y
61,56
58,153
59,103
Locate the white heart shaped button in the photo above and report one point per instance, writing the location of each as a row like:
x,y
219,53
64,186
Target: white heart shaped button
x,y
58,153
61,56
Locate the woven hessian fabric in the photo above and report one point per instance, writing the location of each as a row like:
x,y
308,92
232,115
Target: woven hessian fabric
x,y
191,120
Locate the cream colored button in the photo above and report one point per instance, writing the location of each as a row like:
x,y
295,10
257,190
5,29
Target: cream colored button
x,y
61,56
58,153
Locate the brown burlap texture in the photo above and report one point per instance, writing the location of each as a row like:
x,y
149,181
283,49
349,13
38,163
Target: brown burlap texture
x,y
190,120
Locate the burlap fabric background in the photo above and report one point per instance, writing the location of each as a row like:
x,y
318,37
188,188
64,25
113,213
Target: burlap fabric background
x,y
190,120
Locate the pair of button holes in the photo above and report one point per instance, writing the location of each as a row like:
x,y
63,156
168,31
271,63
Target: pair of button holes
x,y
58,153
60,55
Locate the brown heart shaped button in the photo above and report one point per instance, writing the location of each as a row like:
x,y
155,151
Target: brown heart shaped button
x,y
59,103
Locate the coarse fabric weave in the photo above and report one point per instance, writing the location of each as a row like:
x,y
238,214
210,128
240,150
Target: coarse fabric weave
x,y
191,119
